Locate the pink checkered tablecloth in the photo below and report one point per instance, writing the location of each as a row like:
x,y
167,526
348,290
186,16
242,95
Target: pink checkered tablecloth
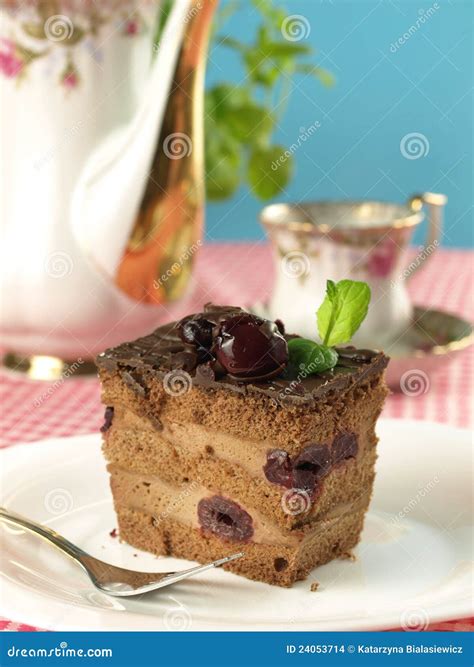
x,y
241,273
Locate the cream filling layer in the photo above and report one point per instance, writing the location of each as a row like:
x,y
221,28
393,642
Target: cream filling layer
x,y
152,495
193,439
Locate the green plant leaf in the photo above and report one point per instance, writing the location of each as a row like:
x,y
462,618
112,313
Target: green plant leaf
x,y
273,15
232,43
308,357
284,49
263,35
222,159
266,77
254,63
342,311
249,121
225,96
326,77
164,12
243,117
222,182
269,170
323,75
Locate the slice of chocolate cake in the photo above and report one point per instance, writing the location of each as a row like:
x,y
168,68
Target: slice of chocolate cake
x,y
216,443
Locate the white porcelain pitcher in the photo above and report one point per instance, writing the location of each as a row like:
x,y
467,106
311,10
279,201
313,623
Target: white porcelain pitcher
x,y
101,188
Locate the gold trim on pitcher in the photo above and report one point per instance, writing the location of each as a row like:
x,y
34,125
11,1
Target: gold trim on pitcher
x,y
158,260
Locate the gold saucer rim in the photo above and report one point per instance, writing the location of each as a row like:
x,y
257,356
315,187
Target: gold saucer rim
x,y
438,349
46,368
455,344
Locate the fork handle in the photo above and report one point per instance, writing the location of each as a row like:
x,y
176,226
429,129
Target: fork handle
x,y
48,534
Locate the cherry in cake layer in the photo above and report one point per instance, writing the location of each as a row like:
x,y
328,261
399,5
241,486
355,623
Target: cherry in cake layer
x,y
216,444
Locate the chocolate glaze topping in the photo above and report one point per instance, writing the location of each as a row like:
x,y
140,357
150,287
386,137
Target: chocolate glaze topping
x,y
169,349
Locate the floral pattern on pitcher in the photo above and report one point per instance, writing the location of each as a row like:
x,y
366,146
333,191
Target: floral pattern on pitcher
x,y
40,27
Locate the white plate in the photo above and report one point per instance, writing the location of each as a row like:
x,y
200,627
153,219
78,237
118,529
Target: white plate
x,y
413,564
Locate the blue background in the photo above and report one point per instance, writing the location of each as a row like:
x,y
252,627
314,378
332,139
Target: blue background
x,y
378,98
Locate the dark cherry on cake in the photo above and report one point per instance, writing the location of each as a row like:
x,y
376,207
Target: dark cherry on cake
x,y
196,333
310,466
344,447
250,348
278,468
244,346
225,518
108,417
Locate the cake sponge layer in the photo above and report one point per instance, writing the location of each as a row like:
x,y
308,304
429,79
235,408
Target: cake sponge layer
x,y
254,417
279,565
223,448
190,458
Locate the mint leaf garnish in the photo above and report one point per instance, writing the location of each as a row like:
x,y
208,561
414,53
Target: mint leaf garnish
x,y
339,316
309,357
342,311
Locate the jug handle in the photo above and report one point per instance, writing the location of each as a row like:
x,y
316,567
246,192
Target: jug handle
x,y
435,203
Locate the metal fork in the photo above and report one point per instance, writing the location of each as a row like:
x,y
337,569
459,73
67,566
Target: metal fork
x,y
107,578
